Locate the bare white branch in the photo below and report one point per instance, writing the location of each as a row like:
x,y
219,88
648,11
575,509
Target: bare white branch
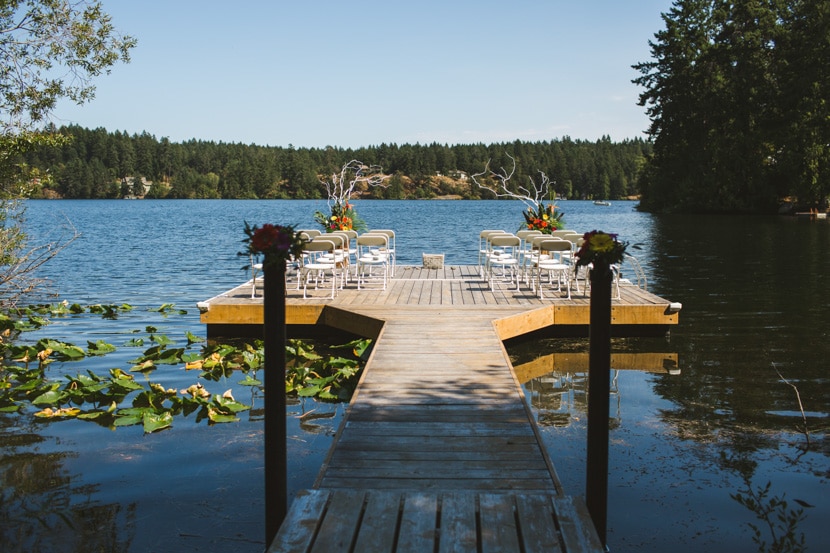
x,y
340,187
532,196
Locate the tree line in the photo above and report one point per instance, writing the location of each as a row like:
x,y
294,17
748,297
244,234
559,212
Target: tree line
x,y
96,163
737,93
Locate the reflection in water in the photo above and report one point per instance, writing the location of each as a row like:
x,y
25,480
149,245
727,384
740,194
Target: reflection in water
x,y
754,294
42,508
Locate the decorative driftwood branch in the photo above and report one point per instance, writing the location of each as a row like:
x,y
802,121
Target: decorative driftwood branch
x,y
532,196
341,185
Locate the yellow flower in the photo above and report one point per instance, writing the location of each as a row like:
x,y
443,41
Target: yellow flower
x,y
602,243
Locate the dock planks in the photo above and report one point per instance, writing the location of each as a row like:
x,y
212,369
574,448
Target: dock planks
x,y
438,450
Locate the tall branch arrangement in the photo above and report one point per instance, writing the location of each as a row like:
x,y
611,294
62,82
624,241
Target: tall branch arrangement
x,y
340,187
538,216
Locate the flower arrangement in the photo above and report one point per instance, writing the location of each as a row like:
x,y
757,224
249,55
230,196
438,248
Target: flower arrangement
x,y
600,248
277,243
343,217
544,218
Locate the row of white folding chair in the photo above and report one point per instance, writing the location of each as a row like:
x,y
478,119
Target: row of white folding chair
x,y
484,248
502,251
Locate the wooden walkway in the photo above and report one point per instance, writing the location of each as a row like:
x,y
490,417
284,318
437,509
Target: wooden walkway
x,y
438,450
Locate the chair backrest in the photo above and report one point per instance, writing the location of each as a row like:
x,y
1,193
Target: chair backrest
x,y
484,238
526,236
320,245
523,234
556,247
505,241
376,240
339,240
340,237
390,234
310,232
561,232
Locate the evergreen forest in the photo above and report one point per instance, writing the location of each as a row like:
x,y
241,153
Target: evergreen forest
x,y
738,94
96,163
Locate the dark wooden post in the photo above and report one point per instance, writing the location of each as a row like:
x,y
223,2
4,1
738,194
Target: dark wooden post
x,y
276,466
599,376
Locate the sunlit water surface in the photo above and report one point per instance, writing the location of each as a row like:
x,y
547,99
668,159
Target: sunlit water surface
x,y
754,294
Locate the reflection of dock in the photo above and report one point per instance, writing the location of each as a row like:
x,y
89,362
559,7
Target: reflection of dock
x,y
438,450
573,362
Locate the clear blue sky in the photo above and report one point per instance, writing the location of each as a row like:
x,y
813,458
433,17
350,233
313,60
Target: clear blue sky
x,y
314,73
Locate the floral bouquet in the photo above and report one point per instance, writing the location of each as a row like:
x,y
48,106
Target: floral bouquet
x,y
600,248
275,242
343,217
544,218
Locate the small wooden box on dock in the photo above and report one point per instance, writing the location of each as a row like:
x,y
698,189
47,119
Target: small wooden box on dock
x,y
433,261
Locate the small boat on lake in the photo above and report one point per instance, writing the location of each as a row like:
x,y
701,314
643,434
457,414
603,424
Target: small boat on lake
x,y
602,202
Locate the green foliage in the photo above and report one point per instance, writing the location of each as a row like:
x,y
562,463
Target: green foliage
x,y
118,399
52,50
202,169
331,377
736,94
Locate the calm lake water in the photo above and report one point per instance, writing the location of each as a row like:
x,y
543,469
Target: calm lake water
x,y
755,300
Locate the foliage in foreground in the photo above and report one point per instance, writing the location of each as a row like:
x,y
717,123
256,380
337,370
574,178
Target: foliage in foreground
x,y
118,399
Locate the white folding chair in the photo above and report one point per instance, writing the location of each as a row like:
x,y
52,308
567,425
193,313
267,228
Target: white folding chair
x,y
373,259
319,263
391,248
556,265
504,255
484,248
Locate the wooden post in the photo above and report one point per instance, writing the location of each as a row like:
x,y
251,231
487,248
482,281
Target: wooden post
x,y
599,376
276,466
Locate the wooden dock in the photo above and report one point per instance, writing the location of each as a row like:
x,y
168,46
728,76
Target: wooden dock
x,y
438,450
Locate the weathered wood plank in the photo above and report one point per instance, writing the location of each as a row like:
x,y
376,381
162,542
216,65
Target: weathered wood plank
x,y
438,484
498,523
575,525
458,524
538,524
418,532
379,526
341,522
300,526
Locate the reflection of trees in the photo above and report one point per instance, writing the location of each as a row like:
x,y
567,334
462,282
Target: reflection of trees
x,y
41,510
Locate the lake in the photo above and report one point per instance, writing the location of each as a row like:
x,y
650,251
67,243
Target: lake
x,y
682,446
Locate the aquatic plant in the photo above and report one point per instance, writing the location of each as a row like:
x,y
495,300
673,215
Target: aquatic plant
x,y
117,399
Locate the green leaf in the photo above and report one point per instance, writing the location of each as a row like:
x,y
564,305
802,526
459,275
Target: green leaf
x,y
308,391
144,366
153,422
99,347
161,339
48,398
170,357
192,338
248,381
216,416
127,420
230,404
